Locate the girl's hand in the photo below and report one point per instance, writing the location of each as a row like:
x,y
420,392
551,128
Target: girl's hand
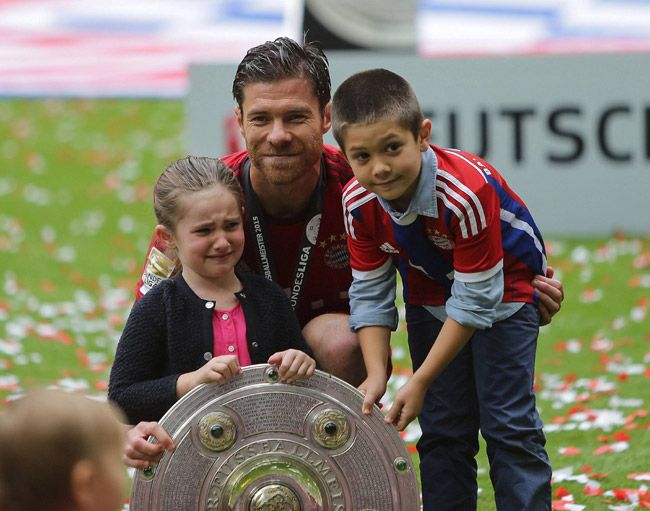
x,y
372,389
293,365
407,404
219,369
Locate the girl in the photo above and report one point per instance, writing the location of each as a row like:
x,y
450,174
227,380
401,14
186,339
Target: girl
x,y
209,320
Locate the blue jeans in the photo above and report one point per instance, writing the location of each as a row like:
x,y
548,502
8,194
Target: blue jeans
x,y
488,386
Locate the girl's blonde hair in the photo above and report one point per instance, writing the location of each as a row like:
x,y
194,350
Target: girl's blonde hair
x,y
190,174
43,435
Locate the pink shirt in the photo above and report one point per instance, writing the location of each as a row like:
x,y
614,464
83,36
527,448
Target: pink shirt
x,y
229,330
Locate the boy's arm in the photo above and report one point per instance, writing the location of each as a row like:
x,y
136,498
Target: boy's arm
x,y
409,399
374,342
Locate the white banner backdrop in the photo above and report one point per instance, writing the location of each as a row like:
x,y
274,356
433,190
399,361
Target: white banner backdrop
x,y
570,133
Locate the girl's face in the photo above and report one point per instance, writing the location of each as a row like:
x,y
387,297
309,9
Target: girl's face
x,y
209,233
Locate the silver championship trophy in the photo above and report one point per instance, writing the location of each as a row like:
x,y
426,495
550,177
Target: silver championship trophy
x,y
256,444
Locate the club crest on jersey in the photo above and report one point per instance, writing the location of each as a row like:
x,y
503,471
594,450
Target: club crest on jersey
x,y
440,239
337,257
335,250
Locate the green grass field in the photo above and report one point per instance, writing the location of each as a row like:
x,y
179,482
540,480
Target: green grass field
x,y
75,221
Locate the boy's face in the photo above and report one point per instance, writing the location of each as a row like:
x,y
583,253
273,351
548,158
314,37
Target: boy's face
x,y
385,158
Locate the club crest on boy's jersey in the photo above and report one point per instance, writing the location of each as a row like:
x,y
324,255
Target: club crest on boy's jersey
x,y
440,239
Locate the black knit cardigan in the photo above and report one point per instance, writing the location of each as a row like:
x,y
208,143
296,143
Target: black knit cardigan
x,y
169,332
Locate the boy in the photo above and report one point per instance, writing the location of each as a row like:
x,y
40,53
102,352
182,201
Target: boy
x,y
61,452
467,248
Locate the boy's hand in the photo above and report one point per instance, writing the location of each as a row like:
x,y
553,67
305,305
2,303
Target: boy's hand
x,y
550,293
407,404
293,365
373,388
138,452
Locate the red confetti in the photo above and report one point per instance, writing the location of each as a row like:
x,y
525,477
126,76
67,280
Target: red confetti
x,y
101,385
621,436
592,490
639,476
570,451
604,449
561,491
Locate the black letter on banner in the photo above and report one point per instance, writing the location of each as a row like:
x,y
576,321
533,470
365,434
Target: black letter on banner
x,y
647,132
453,135
602,133
554,126
484,150
517,117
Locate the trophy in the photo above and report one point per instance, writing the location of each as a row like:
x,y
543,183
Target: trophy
x,y
257,444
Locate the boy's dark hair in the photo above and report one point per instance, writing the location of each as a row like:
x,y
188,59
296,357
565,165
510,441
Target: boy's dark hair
x,y
283,59
371,96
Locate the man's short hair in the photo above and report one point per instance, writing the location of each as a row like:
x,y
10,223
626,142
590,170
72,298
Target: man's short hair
x,y
283,59
371,96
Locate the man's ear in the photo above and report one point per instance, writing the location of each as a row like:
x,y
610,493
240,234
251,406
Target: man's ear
x,y
165,235
240,120
82,484
424,135
327,117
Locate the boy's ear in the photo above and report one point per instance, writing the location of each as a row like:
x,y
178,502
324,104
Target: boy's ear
x,y
424,135
82,484
165,235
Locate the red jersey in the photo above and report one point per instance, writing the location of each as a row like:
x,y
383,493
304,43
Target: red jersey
x,y
480,226
327,280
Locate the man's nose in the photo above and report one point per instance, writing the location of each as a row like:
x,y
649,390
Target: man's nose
x,y
279,133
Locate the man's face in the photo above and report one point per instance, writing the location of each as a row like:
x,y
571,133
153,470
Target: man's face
x,y
283,128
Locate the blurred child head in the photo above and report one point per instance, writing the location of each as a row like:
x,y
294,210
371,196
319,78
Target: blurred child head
x,y
61,451
378,123
199,206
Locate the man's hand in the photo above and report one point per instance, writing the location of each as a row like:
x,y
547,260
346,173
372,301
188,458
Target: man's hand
x,y
550,293
293,365
407,405
373,388
138,452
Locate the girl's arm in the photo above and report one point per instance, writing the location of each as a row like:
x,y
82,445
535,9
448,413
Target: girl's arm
x,y
138,383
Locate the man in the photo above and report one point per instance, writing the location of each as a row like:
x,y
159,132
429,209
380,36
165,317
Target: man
x,y
293,185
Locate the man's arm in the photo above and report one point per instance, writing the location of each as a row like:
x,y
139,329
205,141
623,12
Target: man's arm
x,y
550,293
159,264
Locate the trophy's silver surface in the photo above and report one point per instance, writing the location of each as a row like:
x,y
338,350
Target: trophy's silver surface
x,y
257,444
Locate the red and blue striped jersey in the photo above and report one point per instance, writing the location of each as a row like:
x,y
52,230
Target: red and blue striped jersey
x,y
477,227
